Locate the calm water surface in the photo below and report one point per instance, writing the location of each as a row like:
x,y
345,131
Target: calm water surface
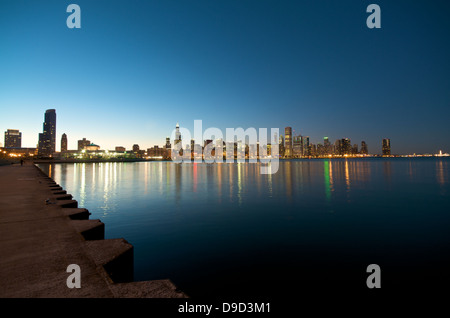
x,y
225,229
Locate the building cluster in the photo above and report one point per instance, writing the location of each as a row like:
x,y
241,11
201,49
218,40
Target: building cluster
x,y
299,146
290,146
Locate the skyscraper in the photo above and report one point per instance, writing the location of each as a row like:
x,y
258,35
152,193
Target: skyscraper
x,y
338,147
355,149
13,138
346,146
281,146
297,147
47,139
326,146
64,142
364,150
306,147
168,145
177,135
288,142
386,147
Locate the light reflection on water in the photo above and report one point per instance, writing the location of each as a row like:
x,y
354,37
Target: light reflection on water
x,y
184,219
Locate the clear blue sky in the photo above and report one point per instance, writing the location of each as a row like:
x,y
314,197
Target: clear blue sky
x,y
135,68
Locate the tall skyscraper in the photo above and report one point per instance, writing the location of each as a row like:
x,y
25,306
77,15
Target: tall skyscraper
x,y
281,146
168,145
364,149
47,139
346,146
297,146
64,142
386,147
288,142
326,146
338,147
306,146
355,149
13,138
177,135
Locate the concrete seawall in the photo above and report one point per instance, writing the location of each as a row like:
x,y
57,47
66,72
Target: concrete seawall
x,y
43,231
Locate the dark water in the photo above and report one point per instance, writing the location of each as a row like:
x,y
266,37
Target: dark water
x,y
227,230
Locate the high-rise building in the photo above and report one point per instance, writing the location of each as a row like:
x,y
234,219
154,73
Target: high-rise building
x,y
192,147
326,146
338,147
64,142
13,138
346,146
306,146
297,146
364,149
135,148
177,135
47,139
312,150
281,146
355,149
320,150
386,147
288,142
168,145
83,143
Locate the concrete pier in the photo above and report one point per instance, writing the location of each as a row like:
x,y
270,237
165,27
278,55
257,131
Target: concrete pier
x,y
43,231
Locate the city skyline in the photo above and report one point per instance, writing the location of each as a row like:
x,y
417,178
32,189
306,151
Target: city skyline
x,y
129,74
292,145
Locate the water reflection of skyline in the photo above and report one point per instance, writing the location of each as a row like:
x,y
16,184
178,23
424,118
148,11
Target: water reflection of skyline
x,y
296,178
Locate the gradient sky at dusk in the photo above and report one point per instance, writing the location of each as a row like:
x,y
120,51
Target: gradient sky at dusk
x,y
136,68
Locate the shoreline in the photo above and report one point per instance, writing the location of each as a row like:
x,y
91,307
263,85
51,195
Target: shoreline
x,y
57,161
44,231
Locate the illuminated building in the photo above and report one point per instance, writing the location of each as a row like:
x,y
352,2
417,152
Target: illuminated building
x,y
156,152
92,147
364,149
297,147
47,139
306,146
355,149
13,138
346,146
312,150
320,150
63,142
326,146
281,146
288,142
83,144
120,149
386,147
135,148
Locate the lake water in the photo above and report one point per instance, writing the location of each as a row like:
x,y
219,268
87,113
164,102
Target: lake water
x,y
227,230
